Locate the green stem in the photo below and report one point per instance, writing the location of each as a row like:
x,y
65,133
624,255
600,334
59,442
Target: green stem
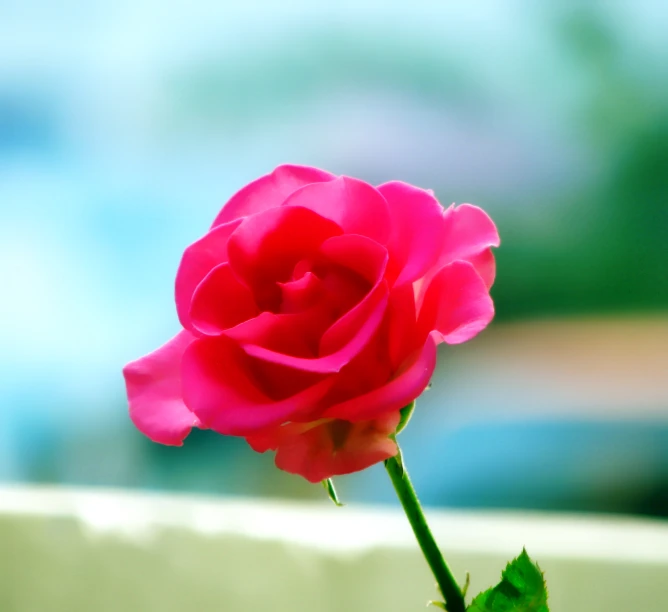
x,y
454,599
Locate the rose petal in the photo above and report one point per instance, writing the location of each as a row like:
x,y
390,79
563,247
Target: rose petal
x,y
418,230
346,338
153,386
269,191
197,261
330,448
401,390
265,248
366,258
222,388
402,333
485,265
220,302
456,304
301,294
468,232
357,253
295,334
342,289
361,322
354,205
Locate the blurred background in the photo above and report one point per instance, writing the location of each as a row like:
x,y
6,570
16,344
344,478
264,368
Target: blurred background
x,y
125,125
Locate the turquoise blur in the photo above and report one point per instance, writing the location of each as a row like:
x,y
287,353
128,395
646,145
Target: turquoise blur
x,y
124,126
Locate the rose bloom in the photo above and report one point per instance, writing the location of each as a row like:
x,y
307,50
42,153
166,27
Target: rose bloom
x,y
311,312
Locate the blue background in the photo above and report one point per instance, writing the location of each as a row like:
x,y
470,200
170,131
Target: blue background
x,y
124,126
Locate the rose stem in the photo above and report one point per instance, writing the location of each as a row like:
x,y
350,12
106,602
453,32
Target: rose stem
x,y
454,599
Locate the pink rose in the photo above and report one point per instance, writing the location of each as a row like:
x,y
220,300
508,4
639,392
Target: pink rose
x,y
311,311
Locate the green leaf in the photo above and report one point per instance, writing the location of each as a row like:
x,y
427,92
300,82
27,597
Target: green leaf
x,y
522,589
406,413
331,491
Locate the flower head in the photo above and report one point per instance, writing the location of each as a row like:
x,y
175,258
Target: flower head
x,y
311,311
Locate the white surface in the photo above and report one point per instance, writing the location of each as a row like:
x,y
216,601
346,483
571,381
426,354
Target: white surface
x,y
351,528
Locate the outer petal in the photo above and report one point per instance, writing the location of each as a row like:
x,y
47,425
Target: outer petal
x,y
228,394
269,191
418,230
197,261
456,304
469,232
354,205
220,302
331,447
395,394
154,391
485,265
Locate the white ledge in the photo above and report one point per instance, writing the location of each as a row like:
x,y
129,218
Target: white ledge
x,y
139,515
